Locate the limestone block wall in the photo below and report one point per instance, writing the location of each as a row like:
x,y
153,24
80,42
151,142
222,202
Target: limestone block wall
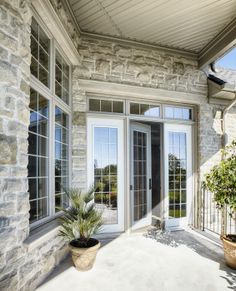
x,y
134,65
79,136
23,264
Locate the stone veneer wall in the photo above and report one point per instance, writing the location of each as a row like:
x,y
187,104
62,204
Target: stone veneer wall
x,y
108,61
128,64
23,263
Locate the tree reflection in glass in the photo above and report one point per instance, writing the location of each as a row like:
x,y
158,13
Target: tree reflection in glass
x,y
105,172
177,159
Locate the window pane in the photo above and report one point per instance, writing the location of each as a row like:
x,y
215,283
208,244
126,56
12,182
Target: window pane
x,y
65,83
43,58
169,112
44,40
177,174
43,76
62,78
134,108
178,113
58,90
106,106
37,164
153,111
187,114
105,172
144,108
33,188
34,28
118,107
94,105
42,208
33,100
34,48
58,74
65,96
61,117
34,67
40,48
32,167
61,158
33,211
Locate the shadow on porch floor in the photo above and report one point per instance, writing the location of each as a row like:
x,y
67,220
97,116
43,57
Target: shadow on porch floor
x,y
179,261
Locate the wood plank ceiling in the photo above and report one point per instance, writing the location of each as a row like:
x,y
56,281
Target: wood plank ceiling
x,y
188,25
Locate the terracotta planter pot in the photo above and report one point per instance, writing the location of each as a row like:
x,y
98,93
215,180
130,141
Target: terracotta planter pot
x,y
83,258
230,252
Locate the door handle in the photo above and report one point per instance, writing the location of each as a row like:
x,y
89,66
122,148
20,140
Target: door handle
x,y
150,184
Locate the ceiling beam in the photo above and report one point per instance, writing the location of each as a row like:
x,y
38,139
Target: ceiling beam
x,y
218,46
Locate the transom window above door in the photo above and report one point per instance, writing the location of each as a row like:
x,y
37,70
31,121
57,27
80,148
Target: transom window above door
x,y
144,109
104,105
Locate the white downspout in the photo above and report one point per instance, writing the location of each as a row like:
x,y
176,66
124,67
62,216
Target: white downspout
x,y
225,111
224,142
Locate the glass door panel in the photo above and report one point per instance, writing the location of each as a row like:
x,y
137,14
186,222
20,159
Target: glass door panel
x,y
178,175
177,158
106,170
140,174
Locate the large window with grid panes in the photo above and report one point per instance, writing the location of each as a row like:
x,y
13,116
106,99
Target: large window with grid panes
x,y
49,134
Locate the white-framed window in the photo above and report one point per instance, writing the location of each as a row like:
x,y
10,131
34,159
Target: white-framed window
x,y
145,109
106,105
178,112
49,129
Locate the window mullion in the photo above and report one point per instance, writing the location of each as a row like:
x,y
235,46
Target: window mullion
x,y
52,159
52,131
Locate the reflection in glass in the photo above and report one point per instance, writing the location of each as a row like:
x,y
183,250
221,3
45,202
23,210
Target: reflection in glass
x,y
40,47
62,78
145,109
177,174
94,105
105,172
178,113
134,108
118,107
61,158
38,156
106,106
140,174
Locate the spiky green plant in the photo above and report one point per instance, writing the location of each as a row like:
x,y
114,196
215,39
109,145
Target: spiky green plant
x,y
81,219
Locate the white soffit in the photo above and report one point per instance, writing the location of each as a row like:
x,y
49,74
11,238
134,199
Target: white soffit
x,y
187,25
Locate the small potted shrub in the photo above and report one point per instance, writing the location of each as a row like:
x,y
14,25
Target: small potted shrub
x,y
221,181
80,221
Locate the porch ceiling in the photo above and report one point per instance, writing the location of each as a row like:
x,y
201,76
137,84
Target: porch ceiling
x,y
188,25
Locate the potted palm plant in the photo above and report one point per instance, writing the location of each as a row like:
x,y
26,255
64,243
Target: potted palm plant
x,y
221,181
80,221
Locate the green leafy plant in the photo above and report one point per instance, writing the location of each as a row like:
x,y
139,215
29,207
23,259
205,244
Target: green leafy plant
x,y
221,180
81,219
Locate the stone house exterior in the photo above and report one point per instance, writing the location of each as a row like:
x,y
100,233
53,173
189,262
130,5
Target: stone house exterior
x,y
67,88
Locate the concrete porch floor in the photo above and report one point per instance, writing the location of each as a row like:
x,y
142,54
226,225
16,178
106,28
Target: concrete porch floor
x,y
179,261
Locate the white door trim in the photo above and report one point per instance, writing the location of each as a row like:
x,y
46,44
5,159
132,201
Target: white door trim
x,y
135,126
119,124
175,223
